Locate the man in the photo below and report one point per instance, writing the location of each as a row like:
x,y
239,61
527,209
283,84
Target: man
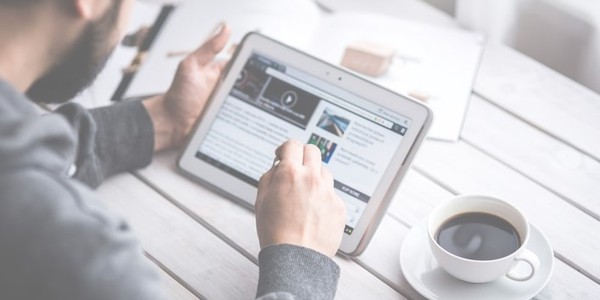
x,y
56,240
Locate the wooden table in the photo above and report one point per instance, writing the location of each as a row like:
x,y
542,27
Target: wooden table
x,y
531,136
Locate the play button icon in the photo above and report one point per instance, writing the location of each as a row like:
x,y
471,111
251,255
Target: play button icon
x,y
289,99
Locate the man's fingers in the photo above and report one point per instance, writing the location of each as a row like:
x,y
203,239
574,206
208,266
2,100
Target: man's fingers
x,y
221,64
207,52
291,152
327,176
265,181
312,156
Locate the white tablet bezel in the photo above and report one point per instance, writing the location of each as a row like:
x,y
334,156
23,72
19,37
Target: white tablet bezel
x,y
419,114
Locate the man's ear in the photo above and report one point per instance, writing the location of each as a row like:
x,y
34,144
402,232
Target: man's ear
x,y
87,9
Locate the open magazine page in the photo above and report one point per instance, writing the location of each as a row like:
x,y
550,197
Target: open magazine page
x,y
290,21
440,63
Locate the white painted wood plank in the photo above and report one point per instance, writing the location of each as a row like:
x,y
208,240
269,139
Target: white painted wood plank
x,y
573,233
567,283
416,198
541,96
557,166
196,255
174,290
383,255
237,224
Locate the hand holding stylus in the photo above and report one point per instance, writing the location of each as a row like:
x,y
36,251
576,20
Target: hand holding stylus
x,y
296,202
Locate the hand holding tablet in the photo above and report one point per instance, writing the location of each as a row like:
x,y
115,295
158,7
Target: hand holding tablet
x,y
296,203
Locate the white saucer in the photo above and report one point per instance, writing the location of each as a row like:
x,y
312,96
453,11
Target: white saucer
x,y
430,280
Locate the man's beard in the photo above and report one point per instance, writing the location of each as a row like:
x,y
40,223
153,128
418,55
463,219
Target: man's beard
x,y
80,66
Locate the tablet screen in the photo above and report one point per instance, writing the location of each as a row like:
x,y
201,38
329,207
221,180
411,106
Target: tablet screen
x,y
271,103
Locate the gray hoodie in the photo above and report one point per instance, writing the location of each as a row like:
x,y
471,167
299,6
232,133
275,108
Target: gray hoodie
x,y
58,242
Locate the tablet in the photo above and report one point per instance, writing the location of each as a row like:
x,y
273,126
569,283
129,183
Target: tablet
x,y
270,93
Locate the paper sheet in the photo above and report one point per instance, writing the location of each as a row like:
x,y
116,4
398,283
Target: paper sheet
x,y
436,61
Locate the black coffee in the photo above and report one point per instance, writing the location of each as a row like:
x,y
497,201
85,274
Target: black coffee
x,y
478,236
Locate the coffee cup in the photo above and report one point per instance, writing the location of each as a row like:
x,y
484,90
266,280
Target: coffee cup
x,y
479,239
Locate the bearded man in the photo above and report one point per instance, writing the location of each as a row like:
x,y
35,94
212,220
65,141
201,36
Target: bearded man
x,y
56,240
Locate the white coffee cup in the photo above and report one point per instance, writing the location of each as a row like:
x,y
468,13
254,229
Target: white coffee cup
x,y
479,271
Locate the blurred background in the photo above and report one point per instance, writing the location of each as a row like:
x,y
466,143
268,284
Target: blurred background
x,y
562,34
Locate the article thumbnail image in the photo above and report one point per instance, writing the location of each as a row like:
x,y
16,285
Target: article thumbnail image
x,y
333,123
326,146
250,82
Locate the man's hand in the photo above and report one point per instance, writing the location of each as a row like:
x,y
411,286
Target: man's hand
x,y
174,113
296,203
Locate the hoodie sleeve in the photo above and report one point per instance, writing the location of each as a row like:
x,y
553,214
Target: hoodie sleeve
x,y
110,140
294,272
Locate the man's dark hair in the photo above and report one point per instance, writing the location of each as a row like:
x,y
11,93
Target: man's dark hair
x,y
17,2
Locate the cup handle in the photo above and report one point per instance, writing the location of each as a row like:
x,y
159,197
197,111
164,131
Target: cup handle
x,y
528,257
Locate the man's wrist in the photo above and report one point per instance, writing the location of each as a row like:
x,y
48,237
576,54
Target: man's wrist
x,y
166,133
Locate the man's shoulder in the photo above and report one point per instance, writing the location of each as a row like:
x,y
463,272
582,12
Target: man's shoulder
x,y
35,197
55,233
